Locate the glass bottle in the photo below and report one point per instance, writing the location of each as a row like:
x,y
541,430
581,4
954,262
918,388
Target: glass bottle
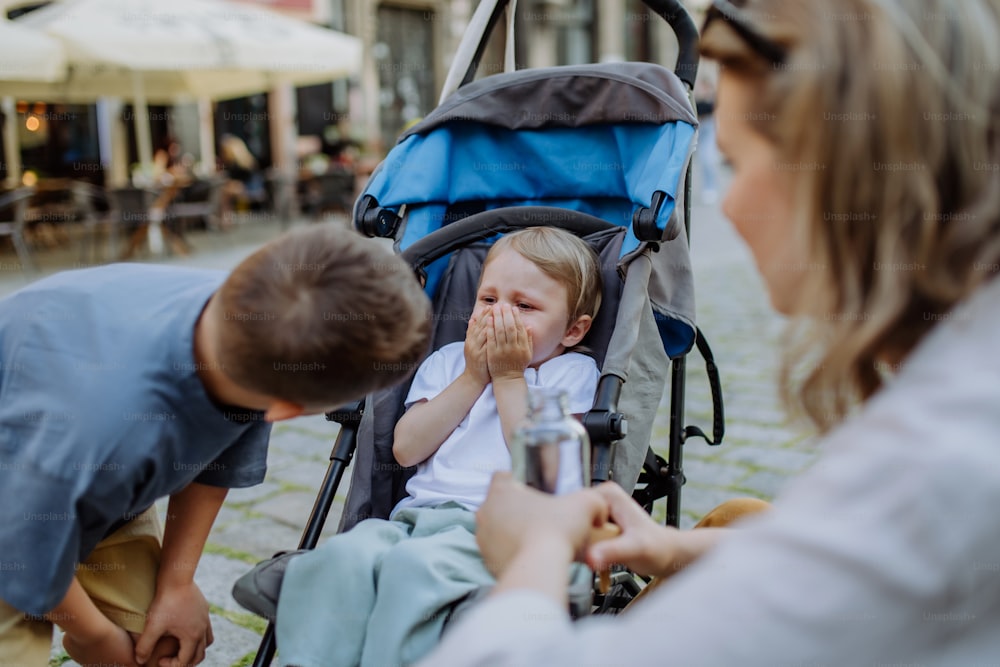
x,y
551,450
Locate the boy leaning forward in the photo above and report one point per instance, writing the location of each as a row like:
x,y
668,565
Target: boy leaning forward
x,y
124,384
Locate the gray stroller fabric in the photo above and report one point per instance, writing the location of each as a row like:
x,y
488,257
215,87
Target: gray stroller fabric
x,y
636,355
671,284
567,96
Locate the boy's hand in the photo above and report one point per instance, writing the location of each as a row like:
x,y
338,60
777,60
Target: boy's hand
x,y
164,650
475,350
181,612
113,646
508,346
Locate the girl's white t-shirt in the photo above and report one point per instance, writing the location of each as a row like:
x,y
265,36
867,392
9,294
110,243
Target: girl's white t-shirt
x,y
461,469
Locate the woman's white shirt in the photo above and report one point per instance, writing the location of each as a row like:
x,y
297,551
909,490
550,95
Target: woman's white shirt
x,y
885,552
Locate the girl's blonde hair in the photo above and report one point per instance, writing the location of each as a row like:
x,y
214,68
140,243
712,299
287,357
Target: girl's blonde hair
x,y
563,257
890,108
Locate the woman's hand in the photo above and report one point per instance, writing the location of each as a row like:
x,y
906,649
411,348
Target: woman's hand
x,y
644,546
515,516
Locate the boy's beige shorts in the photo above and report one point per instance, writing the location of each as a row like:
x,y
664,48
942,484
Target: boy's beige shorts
x,y
119,576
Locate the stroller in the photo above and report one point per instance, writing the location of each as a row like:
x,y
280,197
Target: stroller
x,y
602,151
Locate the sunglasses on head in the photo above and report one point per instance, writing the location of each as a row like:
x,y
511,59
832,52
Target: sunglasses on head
x,y
740,21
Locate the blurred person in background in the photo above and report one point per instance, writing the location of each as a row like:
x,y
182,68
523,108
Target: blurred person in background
x,y
707,155
246,182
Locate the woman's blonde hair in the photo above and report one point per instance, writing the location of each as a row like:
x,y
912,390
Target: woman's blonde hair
x,y
894,106
563,257
235,151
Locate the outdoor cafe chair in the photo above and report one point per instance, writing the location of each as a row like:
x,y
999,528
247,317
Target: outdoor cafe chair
x,y
129,214
201,199
330,191
88,199
13,218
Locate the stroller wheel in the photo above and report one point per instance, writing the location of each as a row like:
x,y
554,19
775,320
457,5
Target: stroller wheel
x,y
624,588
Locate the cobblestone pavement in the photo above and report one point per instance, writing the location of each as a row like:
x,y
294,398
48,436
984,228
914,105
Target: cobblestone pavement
x,y
759,453
760,449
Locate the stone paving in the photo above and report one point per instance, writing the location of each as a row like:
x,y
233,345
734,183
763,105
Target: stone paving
x,y
759,453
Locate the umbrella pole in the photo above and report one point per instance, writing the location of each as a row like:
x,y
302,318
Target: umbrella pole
x,y
153,228
11,143
206,135
142,133
113,142
281,106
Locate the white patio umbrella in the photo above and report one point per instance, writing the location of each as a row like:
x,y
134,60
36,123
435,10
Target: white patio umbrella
x,y
155,51
25,55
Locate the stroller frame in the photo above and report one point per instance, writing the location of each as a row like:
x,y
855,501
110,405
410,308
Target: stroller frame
x,y
660,478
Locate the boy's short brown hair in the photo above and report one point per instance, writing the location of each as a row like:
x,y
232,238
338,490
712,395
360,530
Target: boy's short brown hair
x,y
321,316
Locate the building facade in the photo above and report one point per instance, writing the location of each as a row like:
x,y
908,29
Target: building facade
x,y
408,46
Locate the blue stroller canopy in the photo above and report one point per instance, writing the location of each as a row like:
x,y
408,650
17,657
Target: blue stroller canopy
x,y
605,170
599,139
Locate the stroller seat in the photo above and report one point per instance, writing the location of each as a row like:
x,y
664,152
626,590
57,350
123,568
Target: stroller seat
x,y
378,482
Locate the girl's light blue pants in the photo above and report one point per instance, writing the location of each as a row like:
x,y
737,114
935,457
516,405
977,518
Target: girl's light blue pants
x,y
378,595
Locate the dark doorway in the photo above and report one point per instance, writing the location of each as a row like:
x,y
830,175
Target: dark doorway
x,y
404,57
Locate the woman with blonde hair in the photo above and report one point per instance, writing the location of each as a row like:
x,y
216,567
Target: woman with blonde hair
x,y
865,142
244,176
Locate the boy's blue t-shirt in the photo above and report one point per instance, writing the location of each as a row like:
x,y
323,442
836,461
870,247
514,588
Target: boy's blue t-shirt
x,y
102,413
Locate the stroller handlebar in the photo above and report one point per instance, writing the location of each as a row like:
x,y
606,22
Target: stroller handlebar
x,y
674,13
488,14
